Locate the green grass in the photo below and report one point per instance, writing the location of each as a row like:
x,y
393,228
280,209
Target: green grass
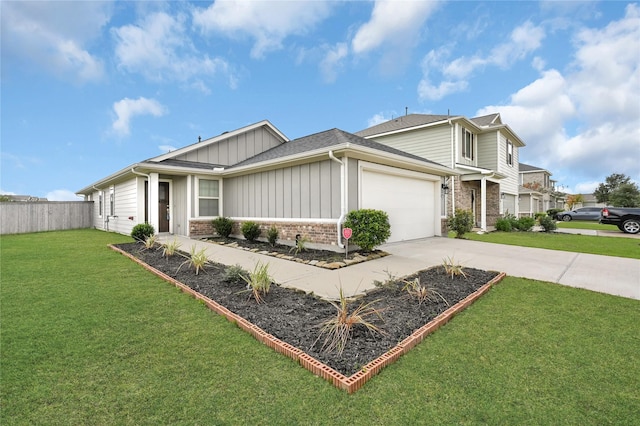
x,y
89,337
582,224
607,246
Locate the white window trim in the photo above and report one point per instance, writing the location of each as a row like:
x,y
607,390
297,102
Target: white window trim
x,y
112,201
196,213
510,151
465,153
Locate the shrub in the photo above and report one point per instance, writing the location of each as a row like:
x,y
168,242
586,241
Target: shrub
x,y
235,274
150,242
272,235
169,249
141,231
223,226
370,227
250,230
197,259
504,224
525,223
553,212
301,244
548,224
451,267
540,215
421,291
259,281
338,329
461,222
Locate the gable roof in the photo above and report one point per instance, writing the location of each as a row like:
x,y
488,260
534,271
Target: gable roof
x,y
491,122
223,136
526,168
403,122
334,138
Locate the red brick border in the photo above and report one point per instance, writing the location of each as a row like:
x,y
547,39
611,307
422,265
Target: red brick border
x,y
358,379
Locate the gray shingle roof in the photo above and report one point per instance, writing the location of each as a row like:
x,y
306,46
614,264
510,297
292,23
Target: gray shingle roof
x,y
324,140
528,168
488,120
189,164
403,122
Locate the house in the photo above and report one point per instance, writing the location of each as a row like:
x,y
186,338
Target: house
x,y
304,186
538,191
483,151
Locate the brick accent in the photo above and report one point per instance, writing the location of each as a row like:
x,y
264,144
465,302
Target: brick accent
x,y
463,199
317,233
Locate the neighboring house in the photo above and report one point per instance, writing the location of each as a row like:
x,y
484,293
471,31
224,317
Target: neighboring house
x,y
304,186
482,150
22,198
589,200
537,191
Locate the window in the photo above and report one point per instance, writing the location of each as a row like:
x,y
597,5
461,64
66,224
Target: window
x,y
467,144
112,201
208,197
509,153
100,204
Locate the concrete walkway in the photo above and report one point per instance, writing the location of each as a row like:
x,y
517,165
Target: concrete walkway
x,y
606,274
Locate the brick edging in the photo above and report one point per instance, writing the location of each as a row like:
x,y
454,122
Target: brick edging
x,y
339,380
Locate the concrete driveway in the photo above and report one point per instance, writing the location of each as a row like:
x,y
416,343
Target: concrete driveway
x,y
612,275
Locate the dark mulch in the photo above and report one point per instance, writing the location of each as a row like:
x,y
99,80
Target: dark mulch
x,y
296,317
307,254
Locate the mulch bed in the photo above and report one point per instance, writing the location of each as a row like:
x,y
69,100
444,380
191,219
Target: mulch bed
x,y
296,317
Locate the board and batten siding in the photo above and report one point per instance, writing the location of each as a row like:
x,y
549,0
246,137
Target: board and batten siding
x,y
432,143
306,191
235,149
510,183
178,202
488,147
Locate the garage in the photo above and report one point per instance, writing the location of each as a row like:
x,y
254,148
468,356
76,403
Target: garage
x,y
409,198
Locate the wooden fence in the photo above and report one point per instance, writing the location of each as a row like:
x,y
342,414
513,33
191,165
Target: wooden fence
x,y
37,216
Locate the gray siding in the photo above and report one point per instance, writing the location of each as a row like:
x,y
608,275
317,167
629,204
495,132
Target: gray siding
x,y
488,151
352,184
432,143
235,149
511,182
306,191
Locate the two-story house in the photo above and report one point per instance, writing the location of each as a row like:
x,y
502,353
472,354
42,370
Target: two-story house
x,y
482,150
537,191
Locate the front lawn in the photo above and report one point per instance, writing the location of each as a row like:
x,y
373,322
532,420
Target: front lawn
x,y
89,337
620,247
583,224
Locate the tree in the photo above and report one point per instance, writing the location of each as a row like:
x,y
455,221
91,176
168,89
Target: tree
x,y
572,200
611,183
626,195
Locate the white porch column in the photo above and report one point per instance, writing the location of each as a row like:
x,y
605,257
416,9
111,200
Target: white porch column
x,y
154,182
483,203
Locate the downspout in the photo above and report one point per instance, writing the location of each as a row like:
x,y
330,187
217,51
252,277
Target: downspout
x,y
453,166
133,170
343,210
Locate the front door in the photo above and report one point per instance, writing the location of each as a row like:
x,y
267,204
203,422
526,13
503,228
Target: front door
x,y
163,207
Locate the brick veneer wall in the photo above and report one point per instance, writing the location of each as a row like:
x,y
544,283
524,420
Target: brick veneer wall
x,y
317,233
463,199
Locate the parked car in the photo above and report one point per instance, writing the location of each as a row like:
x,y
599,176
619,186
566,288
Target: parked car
x,y
584,213
626,219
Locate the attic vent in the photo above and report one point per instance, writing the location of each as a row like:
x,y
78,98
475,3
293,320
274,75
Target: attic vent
x,y
199,139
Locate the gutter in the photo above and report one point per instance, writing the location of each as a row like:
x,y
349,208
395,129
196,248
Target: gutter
x,y
343,210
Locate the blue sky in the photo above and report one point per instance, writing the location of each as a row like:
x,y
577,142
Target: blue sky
x,y
91,87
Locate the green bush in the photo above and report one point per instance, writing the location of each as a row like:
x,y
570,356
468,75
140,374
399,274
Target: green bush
x,y
504,224
540,215
250,230
553,212
272,235
548,224
370,227
525,223
142,231
223,226
461,222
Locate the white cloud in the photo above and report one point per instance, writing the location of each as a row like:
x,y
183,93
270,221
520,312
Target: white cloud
x,y
126,109
585,125
392,23
333,61
267,22
54,34
159,48
62,195
376,119
524,39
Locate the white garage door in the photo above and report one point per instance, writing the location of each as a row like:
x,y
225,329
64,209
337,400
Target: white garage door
x,y
408,202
